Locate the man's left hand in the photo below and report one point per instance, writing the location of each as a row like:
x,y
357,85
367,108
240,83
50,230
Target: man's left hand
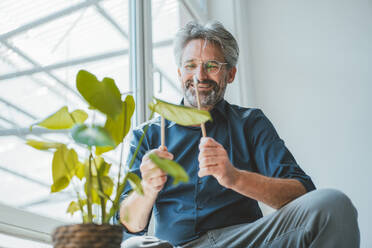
x,y
214,161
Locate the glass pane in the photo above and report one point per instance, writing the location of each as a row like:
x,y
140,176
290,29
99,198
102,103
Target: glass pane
x,y
38,67
165,24
26,11
165,19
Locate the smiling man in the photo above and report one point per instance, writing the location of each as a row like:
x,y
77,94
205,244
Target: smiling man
x,y
241,162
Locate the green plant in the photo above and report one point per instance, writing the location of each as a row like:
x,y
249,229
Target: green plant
x,y
90,176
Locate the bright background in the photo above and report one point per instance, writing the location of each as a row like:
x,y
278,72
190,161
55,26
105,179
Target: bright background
x,y
306,64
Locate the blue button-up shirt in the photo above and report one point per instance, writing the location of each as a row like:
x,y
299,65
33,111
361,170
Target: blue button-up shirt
x,y
186,211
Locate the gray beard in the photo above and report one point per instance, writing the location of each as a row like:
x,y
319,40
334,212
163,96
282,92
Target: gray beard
x,y
207,99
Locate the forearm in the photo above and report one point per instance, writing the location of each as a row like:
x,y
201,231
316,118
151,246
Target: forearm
x,y
275,192
135,211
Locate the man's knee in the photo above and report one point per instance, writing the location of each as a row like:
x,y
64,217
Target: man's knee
x,y
331,201
331,208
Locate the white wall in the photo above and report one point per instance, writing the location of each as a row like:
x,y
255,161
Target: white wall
x,y
227,12
310,65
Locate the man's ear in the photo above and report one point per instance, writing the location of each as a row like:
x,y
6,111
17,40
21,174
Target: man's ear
x,y
179,73
231,75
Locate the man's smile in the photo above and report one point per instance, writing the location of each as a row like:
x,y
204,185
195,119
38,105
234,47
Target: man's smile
x,y
203,86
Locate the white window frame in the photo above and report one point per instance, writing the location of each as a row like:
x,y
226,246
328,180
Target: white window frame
x,y
26,225
140,56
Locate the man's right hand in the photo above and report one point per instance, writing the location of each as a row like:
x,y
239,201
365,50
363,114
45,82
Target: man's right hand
x,y
139,207
153,178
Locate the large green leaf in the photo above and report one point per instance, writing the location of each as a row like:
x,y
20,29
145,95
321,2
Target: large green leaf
x,y
64,165
171,167
91,136
120,127
135,182
104,96
180,114
43,145
60,184
62,119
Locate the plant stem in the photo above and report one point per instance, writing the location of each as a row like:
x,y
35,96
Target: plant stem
x,y
115,203
162,131
122,145
102,199
89,188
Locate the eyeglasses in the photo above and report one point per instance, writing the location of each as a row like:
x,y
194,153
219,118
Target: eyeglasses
x,y
210,66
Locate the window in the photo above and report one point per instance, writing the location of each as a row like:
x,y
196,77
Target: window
x,y
42,46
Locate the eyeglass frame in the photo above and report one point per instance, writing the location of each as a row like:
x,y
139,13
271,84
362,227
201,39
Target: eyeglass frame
x,y
220,64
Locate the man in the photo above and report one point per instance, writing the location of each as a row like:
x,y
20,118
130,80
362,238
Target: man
x,y
242,161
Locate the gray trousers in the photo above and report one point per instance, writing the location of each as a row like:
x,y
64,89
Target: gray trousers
x,y
322,218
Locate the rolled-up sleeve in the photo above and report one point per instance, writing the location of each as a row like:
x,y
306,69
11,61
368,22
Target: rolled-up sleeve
x,y
271,156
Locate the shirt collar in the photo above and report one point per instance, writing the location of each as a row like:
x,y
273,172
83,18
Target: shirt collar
x,y
221,108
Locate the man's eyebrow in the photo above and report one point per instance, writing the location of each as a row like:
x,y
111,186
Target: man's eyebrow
x,y
189,60
192,60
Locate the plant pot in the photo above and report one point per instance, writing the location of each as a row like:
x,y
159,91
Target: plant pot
x,y
88,236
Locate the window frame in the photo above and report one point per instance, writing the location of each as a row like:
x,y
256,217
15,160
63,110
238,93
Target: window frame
x,y
140,57
25,225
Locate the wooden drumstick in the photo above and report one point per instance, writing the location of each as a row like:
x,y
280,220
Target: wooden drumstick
x,y
162,131
196,82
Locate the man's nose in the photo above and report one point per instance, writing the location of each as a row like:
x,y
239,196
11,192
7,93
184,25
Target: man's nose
x,y
200,73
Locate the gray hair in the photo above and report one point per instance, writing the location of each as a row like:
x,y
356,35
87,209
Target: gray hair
x,y
213,32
